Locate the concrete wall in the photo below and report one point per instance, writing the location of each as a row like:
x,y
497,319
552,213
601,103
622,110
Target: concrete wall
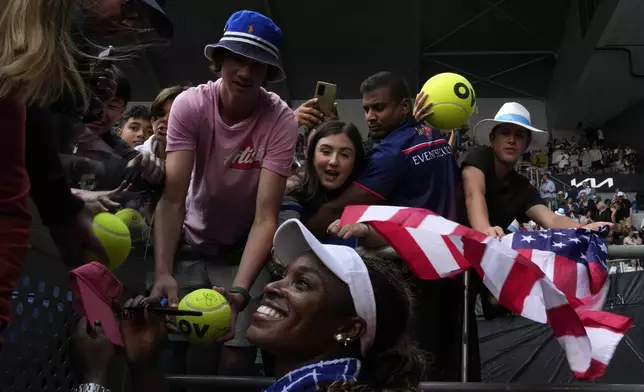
x,y
571,73
627,127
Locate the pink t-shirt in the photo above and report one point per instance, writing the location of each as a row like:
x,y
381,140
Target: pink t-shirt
x,y
228,160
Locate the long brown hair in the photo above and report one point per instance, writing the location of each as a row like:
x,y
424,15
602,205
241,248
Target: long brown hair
x,y
37,55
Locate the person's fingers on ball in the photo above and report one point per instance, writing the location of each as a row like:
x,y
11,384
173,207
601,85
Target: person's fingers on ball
x,y
226,337
223,291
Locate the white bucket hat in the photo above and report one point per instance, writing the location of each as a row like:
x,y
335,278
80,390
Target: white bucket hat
x,y
292,240
511,113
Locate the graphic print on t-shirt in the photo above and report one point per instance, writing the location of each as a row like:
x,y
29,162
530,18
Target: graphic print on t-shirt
x,y
245,157
429,150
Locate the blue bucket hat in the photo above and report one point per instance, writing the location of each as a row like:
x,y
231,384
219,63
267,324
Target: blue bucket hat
x,y
253,35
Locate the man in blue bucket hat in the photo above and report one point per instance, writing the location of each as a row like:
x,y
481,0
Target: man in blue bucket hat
x,y
240,140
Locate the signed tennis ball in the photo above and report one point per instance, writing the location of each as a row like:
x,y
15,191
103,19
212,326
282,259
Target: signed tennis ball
x,y
132,218
134,221
115,237
215,321
453,100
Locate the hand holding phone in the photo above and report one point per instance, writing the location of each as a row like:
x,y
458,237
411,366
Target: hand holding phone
x,y
326,95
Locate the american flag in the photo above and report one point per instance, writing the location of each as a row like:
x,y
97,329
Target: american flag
x,y
552,276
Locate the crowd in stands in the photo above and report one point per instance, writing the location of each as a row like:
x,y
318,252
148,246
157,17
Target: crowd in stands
x,y
571,157
585,205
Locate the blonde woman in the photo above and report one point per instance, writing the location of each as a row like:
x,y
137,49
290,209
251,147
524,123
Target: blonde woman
x,y
38,68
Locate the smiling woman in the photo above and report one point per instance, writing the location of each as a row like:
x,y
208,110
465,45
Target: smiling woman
x,y
337,319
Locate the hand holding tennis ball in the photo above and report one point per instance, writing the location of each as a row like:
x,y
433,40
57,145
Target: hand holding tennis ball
x,y
452,99
215,321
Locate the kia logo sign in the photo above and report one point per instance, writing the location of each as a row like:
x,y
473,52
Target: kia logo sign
x,y
593,183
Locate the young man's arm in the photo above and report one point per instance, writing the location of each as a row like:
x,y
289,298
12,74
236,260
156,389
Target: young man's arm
x,y
544,217
276,167
260,238
171,209
474,187
476,163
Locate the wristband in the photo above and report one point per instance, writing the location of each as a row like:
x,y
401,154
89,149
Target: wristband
x,y
244,293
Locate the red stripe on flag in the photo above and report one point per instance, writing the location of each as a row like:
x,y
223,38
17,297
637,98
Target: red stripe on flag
x,y
565,275
460,259
352,214
565,321
407,248
598,276
517,286
473,252
470,233
610,321
527,253
408,218
595,370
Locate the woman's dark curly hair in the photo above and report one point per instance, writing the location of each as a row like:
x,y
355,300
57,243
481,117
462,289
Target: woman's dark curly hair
x,y
310,193
394,362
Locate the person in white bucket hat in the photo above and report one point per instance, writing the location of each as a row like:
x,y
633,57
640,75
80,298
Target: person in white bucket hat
x,y
495,194
512,116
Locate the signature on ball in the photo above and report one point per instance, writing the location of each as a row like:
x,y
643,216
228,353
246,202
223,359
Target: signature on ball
x,y
209,298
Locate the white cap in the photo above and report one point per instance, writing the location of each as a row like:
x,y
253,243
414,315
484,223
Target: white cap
x,y
292,240
621,194
560,212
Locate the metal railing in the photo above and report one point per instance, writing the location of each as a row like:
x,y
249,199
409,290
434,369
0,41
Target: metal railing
x,y
614,252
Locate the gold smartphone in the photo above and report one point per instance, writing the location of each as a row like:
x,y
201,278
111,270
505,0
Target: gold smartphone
x,y
325,93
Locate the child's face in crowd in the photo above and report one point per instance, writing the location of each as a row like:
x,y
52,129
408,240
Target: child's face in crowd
x,y
160,124
335,157
136,131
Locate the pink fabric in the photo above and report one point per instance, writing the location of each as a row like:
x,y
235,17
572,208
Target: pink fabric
x,y
228,160
96,289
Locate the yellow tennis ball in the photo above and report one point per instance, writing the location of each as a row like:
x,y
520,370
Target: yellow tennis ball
x,y
134,221
215,321
132,218
115,237
453,99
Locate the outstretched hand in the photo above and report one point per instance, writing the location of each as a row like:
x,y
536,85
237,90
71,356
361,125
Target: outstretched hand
x,y
104,201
